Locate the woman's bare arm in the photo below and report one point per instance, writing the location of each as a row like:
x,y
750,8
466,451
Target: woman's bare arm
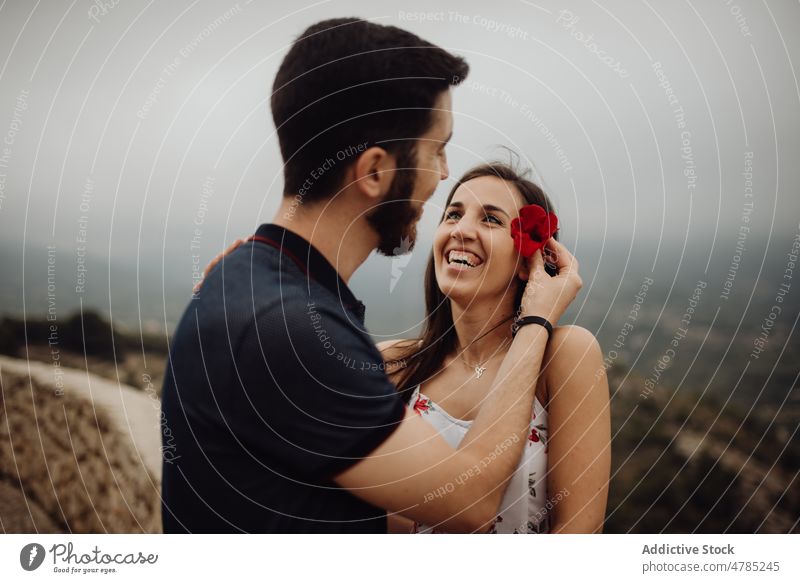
x,y
579,446
399,524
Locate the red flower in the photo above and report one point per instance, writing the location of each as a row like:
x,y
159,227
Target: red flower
x,y
422,405
532,229
534,436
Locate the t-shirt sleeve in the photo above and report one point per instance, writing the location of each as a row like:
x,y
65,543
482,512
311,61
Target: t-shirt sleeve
x,y
314,398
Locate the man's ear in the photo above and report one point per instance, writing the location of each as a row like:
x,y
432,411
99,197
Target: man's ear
x,y
373,172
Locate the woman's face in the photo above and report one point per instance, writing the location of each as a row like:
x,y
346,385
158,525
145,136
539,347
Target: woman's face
x,y
473,252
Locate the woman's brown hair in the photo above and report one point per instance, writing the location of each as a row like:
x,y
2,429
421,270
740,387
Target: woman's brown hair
x,y
422,358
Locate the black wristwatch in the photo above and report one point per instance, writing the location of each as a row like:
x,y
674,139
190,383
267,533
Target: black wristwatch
x,y
525,320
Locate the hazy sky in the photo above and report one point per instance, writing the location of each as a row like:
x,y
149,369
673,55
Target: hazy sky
x,y
131,125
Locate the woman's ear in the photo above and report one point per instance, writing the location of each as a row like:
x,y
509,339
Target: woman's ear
x,y
373,172
523,272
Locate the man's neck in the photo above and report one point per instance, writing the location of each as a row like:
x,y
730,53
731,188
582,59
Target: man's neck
x,y
343,239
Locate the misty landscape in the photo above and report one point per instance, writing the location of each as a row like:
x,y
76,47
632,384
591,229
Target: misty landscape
x,y
703,441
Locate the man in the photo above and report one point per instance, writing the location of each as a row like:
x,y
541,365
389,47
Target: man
x,y
278,416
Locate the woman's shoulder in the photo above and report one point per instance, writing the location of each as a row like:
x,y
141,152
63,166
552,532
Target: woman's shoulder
x,y
573,353
571,338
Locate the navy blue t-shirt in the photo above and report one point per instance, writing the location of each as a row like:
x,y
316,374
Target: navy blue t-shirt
x,y
273,387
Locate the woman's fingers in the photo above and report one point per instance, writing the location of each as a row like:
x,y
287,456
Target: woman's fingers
x,y
565,262
231,248
537,261
213,263
551,296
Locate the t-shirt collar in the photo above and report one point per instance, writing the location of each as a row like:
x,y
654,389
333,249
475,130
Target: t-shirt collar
x,y
310,261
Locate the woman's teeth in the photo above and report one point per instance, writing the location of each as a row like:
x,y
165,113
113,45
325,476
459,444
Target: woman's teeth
x,y
464,258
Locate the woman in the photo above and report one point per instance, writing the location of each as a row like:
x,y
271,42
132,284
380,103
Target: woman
x,y
474,285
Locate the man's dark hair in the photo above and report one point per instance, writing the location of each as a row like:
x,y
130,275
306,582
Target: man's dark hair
x,y
348,84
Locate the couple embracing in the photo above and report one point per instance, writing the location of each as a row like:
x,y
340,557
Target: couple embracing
x,y
284,416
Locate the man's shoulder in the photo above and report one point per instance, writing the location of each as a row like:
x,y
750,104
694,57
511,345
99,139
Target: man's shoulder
x,y
254,275
305,318
253,261
259,291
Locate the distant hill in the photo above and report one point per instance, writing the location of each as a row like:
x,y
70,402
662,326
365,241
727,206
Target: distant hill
x,y
685,462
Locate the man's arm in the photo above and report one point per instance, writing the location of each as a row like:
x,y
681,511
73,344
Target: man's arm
x,y
415,472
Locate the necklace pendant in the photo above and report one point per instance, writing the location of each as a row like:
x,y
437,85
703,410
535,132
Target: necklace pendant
x,y
479,370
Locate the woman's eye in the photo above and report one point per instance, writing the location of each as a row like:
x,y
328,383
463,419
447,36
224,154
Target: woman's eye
x,y
494,219
452,216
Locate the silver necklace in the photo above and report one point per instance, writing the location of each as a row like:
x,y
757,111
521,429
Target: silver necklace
x,y
480,368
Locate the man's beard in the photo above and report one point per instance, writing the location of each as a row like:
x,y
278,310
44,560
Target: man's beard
x,y
395,218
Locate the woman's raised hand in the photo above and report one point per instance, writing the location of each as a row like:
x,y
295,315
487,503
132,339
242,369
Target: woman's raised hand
x,y
217,259
548,296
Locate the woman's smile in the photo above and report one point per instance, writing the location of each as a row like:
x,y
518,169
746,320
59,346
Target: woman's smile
x,y
458,259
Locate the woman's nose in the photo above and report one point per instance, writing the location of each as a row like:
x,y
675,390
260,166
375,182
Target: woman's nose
x,y
464,229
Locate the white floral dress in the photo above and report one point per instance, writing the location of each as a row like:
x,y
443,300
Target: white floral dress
x,y
523,507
